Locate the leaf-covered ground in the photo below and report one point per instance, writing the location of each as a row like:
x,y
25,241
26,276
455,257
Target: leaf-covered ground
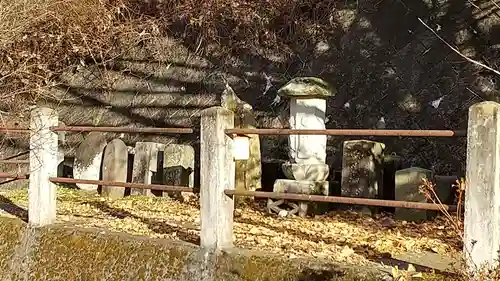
x,y
339,237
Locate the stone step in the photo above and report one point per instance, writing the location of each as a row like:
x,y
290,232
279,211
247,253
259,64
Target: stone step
x,y
301,186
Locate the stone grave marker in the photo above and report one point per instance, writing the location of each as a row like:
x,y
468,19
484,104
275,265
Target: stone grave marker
x,y
362,170
88,159
307,153
408,182
114,168
178,169
145,164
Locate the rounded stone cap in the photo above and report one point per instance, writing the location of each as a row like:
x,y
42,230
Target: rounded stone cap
x,y
306,87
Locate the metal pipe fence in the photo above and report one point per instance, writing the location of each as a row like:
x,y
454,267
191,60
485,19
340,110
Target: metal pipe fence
x,y
342,200
350,132
122,184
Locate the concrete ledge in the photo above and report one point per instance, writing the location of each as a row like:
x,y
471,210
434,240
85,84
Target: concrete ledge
x,y
62,252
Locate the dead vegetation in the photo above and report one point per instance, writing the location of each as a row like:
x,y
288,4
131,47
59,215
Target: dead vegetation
x,y
41,39
338,237
455,224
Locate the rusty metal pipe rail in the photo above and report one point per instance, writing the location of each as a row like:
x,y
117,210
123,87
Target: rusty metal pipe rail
x,y
123,130
16,155
14,130
12,176
123,184
350,132
343,200
14,161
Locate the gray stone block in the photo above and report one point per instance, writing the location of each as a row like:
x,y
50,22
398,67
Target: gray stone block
x,y
362,168
145,164
408,182
114,168
362,171
88,159
302,187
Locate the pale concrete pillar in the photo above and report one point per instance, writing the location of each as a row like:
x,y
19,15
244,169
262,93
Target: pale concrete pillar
x,y
217,173
43,165
482,195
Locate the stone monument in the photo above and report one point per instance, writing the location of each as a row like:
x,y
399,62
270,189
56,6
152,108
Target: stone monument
x,y
408,182
306,170
114,168
88,159
362,171
248,172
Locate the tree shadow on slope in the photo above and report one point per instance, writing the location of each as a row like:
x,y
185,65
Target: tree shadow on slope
x,y
381,59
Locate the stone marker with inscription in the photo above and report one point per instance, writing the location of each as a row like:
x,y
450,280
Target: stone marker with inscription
x,y
145,164
178,167
408,183
114,168
362,170
307,166
88,159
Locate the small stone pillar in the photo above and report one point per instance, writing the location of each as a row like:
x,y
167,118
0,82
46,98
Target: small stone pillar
x,y
217,173
482,201
362,170
43,165
307,153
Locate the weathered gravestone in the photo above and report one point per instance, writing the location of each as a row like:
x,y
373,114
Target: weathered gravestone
x,y
408,183
307,152
145,164
178,167
248,172
362,170
114,168
88,159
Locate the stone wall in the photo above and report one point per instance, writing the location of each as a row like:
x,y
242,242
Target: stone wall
x,y
63,252
386,65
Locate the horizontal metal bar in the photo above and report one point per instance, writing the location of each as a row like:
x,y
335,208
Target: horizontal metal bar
x,y
14,161
342,200
4,175
350,132
13,130
8,181
16,155
124,184
123,130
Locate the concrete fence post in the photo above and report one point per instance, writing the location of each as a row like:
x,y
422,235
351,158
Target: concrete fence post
x,y
43,165
217,173
482,195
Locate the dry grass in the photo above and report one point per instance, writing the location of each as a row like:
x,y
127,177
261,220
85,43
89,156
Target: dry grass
x,y
41,39
340,237
455,224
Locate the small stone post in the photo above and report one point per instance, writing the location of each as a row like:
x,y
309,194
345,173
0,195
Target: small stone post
x,y
482,195
217,173
43,165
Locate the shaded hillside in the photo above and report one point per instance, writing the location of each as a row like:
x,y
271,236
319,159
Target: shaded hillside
x,y
158,63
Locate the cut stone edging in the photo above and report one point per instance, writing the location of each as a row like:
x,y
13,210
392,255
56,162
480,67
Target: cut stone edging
x,y
64,252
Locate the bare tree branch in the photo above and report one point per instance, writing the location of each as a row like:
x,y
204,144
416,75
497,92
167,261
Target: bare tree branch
x,y
458,52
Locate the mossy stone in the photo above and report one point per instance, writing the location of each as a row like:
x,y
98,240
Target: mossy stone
x,y
307,87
